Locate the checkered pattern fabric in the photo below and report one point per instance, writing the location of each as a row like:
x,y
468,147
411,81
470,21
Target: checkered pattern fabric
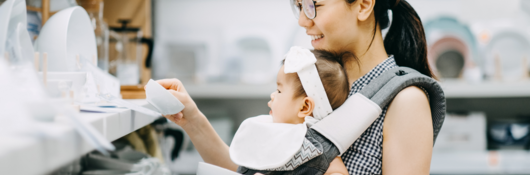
x,y
365,156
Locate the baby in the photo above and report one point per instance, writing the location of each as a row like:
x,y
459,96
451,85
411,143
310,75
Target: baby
x,y
310,85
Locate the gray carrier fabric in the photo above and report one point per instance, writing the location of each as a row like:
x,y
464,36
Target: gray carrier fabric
x,y
384,88
381,91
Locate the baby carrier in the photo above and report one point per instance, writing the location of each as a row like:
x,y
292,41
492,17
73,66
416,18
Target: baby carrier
x,y
334,134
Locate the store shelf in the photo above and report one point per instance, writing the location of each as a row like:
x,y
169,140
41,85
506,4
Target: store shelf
x,y
481,162
490,89
452,89
33,154
230,90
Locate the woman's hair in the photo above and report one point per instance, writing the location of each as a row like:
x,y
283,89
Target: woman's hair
x,y
405,38
333,77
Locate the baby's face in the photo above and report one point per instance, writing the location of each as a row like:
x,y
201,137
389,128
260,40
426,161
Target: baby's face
x,y
284,104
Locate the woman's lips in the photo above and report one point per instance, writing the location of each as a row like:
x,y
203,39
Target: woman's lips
x,y
270,112
316,41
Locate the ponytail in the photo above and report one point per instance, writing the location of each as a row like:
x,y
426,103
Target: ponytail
x,y
406,38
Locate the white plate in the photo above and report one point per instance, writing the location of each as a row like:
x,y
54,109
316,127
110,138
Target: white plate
x,y
12,12
65,35
511,47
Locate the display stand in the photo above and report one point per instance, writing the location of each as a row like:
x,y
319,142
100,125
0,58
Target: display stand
x,y
62,144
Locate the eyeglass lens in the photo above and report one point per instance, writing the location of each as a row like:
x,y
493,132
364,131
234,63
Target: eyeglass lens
x,y
308,6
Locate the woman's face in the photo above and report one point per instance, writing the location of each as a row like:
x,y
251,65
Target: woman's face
x,y
335,26
285,104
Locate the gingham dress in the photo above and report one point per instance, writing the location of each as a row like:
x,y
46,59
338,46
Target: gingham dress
x,y
365,156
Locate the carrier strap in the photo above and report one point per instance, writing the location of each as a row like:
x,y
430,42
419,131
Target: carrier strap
x,y
347,123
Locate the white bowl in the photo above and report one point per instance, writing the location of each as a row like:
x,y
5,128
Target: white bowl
x,y
12,12
65,35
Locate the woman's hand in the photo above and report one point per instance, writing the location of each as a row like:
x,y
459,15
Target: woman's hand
x,y
190,112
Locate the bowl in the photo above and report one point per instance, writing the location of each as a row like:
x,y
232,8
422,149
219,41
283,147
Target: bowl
x,y
65,35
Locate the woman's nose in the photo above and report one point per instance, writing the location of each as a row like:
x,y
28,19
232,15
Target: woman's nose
x,y
303,21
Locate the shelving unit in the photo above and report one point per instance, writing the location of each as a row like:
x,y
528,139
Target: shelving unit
x,y
219,91
452,89
481,162
487,89
25,154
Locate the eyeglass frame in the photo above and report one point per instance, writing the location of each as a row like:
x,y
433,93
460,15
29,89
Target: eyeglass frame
x,y
301,8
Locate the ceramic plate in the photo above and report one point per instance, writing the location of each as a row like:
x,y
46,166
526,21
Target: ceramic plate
x,y
510,47
452,41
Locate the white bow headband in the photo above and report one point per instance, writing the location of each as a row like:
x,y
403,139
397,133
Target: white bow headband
x,y
302,61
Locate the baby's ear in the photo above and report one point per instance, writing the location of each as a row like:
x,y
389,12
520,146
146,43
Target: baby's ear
x,y
308,104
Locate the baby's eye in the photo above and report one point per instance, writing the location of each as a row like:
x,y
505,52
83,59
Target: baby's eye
x,y
278,91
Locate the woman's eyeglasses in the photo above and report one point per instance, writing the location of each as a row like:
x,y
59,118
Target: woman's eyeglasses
x,y
308,6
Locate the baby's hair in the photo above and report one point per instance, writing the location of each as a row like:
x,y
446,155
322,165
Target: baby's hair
x,y
333,76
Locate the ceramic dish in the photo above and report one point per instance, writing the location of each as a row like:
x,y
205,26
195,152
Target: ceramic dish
x,y
510,47
453,42
65,35
447,55
12,12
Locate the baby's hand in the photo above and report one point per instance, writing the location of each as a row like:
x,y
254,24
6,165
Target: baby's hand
x,y
176,88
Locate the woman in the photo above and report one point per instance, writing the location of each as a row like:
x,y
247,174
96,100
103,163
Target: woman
x,y
354,26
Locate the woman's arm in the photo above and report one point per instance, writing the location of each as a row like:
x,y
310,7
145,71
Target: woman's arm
x,y
210,146
408,134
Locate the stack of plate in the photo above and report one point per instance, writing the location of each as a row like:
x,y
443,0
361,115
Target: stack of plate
x,y
452,47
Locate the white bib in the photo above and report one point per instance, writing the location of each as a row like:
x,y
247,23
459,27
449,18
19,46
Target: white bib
x,y
261,144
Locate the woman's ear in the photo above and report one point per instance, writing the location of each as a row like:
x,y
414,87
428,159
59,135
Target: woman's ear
x,y
366,9
308,104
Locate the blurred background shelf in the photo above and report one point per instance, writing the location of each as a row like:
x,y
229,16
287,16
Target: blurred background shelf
x,y
487,89
452,89
220,91
481,162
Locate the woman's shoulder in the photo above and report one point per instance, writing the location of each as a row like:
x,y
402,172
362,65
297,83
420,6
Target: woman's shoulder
x,y
412,94
410,104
